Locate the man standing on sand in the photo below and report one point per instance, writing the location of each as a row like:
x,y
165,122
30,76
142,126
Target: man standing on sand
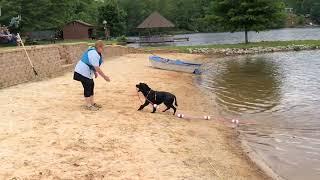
x,y
88,66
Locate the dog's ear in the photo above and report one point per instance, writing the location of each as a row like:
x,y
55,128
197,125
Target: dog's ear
x,y
143,87
139,87
140,84
147,87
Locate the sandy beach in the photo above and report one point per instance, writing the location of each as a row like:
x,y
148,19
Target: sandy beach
x,y
45,133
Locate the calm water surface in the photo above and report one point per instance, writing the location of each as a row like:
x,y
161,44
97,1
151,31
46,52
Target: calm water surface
x,y
238,37
280,92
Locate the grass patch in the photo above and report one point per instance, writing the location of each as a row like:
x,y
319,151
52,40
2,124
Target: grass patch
x,y
241,45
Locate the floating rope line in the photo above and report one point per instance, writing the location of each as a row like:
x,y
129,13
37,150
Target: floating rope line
x,y
234,122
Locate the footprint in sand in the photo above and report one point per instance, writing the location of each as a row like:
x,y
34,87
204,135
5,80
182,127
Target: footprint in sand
x,y
161,150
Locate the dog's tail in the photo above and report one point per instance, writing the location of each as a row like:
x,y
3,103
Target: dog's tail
x,y
175,101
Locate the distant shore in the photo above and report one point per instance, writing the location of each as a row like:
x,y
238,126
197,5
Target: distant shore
x,y
241,49
179,32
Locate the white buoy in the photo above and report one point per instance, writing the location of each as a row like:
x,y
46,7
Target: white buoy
x,y
207,117
156,106
233,121
237,121
180,115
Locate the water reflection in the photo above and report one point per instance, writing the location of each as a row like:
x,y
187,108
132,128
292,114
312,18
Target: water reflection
x,y
280,92
246,84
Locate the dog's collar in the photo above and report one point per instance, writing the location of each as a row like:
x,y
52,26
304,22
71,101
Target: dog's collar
x,y
148,93
155,94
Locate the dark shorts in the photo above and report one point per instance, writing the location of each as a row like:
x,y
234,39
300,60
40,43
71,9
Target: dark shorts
x,y
88,84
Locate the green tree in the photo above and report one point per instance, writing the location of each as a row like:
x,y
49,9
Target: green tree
x,y
301,7
48,14
84,10
248,15
136,11
301,20
36,15
187,13
115,16
315,12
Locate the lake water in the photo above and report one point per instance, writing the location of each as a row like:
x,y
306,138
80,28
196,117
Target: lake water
x,y
238,37
280,93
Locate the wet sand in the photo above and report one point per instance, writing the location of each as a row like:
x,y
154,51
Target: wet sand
x,y
45,133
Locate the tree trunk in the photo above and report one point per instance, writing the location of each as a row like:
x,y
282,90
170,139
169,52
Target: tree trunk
x,y
246,34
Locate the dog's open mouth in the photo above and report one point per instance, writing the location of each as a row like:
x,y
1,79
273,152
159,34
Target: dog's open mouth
x,y
138,88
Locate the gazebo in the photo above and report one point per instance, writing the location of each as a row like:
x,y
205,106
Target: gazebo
x,y
155,21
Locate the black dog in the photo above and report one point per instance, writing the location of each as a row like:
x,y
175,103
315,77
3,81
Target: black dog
x,y
155,97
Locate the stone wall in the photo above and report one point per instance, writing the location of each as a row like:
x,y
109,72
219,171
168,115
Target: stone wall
x,y
49,61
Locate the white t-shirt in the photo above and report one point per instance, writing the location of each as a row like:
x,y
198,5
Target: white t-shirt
x,y
84,69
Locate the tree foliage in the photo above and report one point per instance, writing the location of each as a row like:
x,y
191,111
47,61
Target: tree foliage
x,y
114,15
248,15
123,16
315,12
189,15
47,14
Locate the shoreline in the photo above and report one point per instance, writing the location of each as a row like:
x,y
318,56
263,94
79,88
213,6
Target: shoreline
x,y
241,49
240,141
234,138
258,160
252,50
56,138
